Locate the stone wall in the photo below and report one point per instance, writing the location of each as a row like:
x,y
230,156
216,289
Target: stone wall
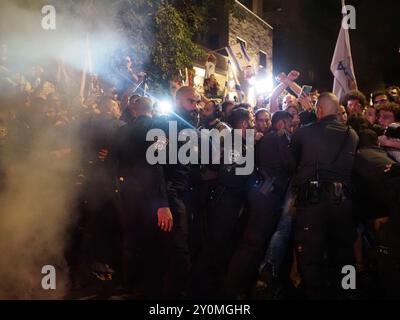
x,y
256,33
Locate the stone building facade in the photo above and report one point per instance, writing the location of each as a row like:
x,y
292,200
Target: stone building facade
x,y
246,26
255,33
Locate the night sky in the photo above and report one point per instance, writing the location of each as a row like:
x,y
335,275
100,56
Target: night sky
x,y
305,34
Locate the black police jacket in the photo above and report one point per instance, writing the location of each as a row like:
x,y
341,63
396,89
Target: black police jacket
x,y
275,158
324,150
178,177
138,179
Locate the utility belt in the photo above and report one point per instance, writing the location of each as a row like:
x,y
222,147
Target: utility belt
x,y
314,191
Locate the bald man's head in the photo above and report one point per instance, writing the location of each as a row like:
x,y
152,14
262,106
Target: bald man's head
x,y
187,98
327,104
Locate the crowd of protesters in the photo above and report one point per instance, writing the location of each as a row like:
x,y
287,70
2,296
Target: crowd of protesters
x,y
201,231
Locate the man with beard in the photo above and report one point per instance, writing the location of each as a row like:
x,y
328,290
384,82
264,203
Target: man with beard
x,y
210,117
180,181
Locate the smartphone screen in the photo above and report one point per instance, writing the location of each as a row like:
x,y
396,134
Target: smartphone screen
x,y
306,90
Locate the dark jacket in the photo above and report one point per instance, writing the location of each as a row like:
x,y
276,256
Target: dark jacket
x,y
140,182
325,149
276,159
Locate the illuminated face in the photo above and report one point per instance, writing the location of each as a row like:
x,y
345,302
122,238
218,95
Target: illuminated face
x,y
371,115
354,106
189,101
288,101
381,99
263,121
293,111
385,118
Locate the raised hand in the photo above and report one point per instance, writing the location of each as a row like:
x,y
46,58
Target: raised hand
x,y
281,77
305,102
293,75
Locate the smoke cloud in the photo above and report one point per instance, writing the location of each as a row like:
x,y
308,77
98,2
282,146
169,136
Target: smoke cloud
x,y
38,190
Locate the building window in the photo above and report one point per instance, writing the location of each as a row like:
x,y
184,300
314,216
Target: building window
x,y
213,41
263,60
238,40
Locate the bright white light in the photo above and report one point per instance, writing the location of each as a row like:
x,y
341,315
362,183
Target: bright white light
x,y
198,81
264,85
231,84
199,71
165,106
252,81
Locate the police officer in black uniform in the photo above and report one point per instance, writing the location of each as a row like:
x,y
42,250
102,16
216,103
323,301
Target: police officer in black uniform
x,y
180,181
209,119
144,203
324,153
264,203
223,214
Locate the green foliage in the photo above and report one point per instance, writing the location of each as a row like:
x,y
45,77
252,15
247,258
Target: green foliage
x,y
173,48
158,34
